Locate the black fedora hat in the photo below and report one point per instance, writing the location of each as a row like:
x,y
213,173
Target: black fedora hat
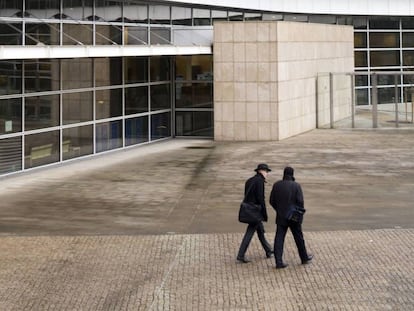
x,y
263,167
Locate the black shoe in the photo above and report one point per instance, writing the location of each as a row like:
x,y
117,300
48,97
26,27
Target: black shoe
x,y
243,259
269,254
307,260
281,266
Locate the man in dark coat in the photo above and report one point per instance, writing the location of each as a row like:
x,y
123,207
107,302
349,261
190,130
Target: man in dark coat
x,y
285,195
254,192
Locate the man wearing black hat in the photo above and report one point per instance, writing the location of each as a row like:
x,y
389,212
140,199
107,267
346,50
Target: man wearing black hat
x,y
254,193
287,194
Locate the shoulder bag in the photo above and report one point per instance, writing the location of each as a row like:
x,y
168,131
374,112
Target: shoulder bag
x,y
250,213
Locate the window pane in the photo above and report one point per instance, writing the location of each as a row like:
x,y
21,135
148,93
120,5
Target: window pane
x,y
41,75
76,73
361,59
136,100
136,130
388,79
11,8
408,39
384,40
41,149
77,107
194,95
201,17
41,112
159,14
136,70
136,35
197,67
160,125
108,34
408,79
160,35
235,16
108,10
108,136
10,155
361,80
75,34
385,58
322,19
108,71
360,39
408,23
48,34
77,141
362,97
10,115
10,33
408,58
387,95
377,23
160,97
10,77
194,123
360,23
43,9
181,16
160,68
219,15
135,13
78,9
108,103
253,16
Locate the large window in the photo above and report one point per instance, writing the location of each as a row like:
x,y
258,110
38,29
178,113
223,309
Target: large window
x,y
10,77
108,103
160,68
136,130
76,73
41,149
136,100
41,112
10,155
77,107
10,33
136,70
10,115
160,126
108,71
160,97
108,135
41,75
77,141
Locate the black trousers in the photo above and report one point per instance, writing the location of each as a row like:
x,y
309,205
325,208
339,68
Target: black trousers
x,y
251,229
281,230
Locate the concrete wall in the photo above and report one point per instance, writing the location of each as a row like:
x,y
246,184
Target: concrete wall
x,y
265,76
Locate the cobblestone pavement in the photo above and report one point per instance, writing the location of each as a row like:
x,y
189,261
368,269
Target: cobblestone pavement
x,y
154,228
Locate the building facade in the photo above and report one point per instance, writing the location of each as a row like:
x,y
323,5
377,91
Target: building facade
x,y
83,77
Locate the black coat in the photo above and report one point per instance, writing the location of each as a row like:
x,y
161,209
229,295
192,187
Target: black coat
x,y
285,193
254,191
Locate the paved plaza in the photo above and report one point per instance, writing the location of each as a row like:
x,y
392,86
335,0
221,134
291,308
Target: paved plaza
x,y
155,227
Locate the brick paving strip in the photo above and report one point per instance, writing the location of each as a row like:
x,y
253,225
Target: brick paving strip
x,y
352,270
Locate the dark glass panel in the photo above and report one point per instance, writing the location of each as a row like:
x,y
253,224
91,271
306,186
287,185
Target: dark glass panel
x,y
135,13
194,123
408,39
160,125
41,112
108,34
43,9
10,33
407,23
10,155
10,115
160,97
160,68
385,58
361,97
136,100
252,16
108,71
160,35
136,35
272,17
408,58
108,135
108,10
295,18
201,17
384,40
136,70
77,141
41,75
108,103
361,80
10,77
77,34
159,14
136,130
361,59
409,79
77,107
236,16
322,19
196,67
360,39
76,73
194,95
11,8
380,23
41,149
78,9
47,34
388,79
387,95
345,20
360,23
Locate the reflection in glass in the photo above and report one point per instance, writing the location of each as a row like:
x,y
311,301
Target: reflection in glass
x,y
108,135
77,107
77,141
407,23
10,33
108,34
11,8
408,58
360,39
361,80
10,155
41,149
76,73
10,115
194,123
381,23
136,130
136,70
384,40
78,9
160,35
201,17
41,112
361,97
160,97
408,79
48,34
108,71
43,9
135,35
109,10
360,23
77,34
160,68
181,16
41,75
322,19
196,67
135,13
235,16
108,103
252,16
159,14
136,100
218,15
387,95
10,77
385,58
388,79
194,95
361,59
408,39
160,125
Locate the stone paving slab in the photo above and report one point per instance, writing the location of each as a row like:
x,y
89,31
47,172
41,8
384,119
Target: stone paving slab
x,y
352,270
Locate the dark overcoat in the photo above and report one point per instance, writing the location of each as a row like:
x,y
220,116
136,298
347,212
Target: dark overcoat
x,y
254,191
